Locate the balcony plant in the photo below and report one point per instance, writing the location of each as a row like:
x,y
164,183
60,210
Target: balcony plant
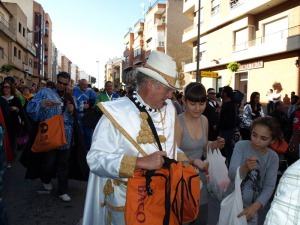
x,y
233,67
6,68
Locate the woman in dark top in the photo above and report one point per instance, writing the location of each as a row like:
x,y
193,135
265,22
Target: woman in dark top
x,y
16,112
252,110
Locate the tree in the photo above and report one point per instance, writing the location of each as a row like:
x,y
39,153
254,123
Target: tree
x,y
93,80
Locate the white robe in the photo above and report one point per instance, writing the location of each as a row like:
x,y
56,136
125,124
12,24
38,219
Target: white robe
x,y
107,150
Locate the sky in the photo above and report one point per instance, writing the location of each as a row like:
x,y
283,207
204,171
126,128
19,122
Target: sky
x,y
87,31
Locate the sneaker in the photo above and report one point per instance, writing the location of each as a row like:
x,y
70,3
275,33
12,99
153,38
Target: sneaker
x,y
65,197
48,187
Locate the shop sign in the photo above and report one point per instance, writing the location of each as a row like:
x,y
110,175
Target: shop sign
x,y
250,66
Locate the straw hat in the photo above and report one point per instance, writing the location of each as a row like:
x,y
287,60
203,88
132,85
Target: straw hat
x,y
162,68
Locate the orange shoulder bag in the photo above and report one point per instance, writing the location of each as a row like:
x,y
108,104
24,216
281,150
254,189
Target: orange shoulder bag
x,y
51,135
168,196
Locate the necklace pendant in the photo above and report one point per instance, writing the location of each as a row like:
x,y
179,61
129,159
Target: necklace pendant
x,y
162,138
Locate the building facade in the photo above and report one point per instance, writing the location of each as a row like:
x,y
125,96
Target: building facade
x,y
159,30
263,36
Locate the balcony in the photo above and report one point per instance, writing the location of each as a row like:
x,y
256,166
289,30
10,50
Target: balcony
x,y
31,48
189,8
279,42
139,59
7,29
190,34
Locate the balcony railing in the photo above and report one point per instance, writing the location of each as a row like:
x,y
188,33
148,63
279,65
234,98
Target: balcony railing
x,y
268,39
7,28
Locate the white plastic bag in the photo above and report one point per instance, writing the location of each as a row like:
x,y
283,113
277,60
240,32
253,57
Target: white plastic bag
x,y
217,179
232,205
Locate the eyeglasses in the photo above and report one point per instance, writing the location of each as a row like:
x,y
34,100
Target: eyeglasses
x,y
8,87
64,84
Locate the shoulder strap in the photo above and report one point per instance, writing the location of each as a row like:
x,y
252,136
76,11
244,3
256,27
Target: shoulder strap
x,y
121,129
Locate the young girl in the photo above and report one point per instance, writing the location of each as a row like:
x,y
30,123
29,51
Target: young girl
x,y
191,137
258,166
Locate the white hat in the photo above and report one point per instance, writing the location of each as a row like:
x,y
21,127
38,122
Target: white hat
x,y
162,68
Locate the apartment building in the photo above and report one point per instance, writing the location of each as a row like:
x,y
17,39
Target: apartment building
x,y
30,52
113,73
263,36
42,38
16,52
160,30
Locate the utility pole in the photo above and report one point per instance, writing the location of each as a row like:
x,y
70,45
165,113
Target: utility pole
x,y
198,74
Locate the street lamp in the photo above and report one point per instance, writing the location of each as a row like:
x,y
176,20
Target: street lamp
x,y
98,75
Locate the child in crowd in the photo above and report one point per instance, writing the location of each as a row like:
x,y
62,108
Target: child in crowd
x,y
258,166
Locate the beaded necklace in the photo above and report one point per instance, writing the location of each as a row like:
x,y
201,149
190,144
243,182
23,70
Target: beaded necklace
x,y
145,134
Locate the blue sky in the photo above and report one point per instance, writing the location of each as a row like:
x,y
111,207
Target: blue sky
x,y
87,31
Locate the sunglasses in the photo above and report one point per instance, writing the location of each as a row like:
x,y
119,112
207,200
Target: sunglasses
x,y
64,84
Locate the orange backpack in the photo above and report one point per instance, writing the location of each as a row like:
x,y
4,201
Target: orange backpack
x,y
168,196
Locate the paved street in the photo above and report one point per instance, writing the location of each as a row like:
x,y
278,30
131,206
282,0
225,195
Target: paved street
x,y
27,204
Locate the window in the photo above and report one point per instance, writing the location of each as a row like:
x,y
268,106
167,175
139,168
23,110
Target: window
x,y
276,30
1,53
15,52
202,52
23,32
20,28
241,39
137,51
215,6
35,65
19,54
30,62
161,44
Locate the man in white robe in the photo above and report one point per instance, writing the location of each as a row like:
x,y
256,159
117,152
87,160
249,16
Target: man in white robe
x,y
114,157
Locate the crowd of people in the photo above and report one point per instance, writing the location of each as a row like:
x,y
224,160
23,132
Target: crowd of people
x,y
104,128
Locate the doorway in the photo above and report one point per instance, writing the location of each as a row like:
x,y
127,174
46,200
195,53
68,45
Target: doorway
x,y
241,84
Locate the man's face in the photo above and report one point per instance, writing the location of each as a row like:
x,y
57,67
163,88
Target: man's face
x,y
109,88
157,93
83,85
211,96
62,83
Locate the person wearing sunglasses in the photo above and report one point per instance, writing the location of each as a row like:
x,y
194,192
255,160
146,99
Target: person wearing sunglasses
x,y
15,112
47,103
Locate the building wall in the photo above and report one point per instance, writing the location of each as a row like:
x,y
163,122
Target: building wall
x,y
173,43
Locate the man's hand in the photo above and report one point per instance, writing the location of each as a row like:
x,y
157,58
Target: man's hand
x,y
153,161
49,103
